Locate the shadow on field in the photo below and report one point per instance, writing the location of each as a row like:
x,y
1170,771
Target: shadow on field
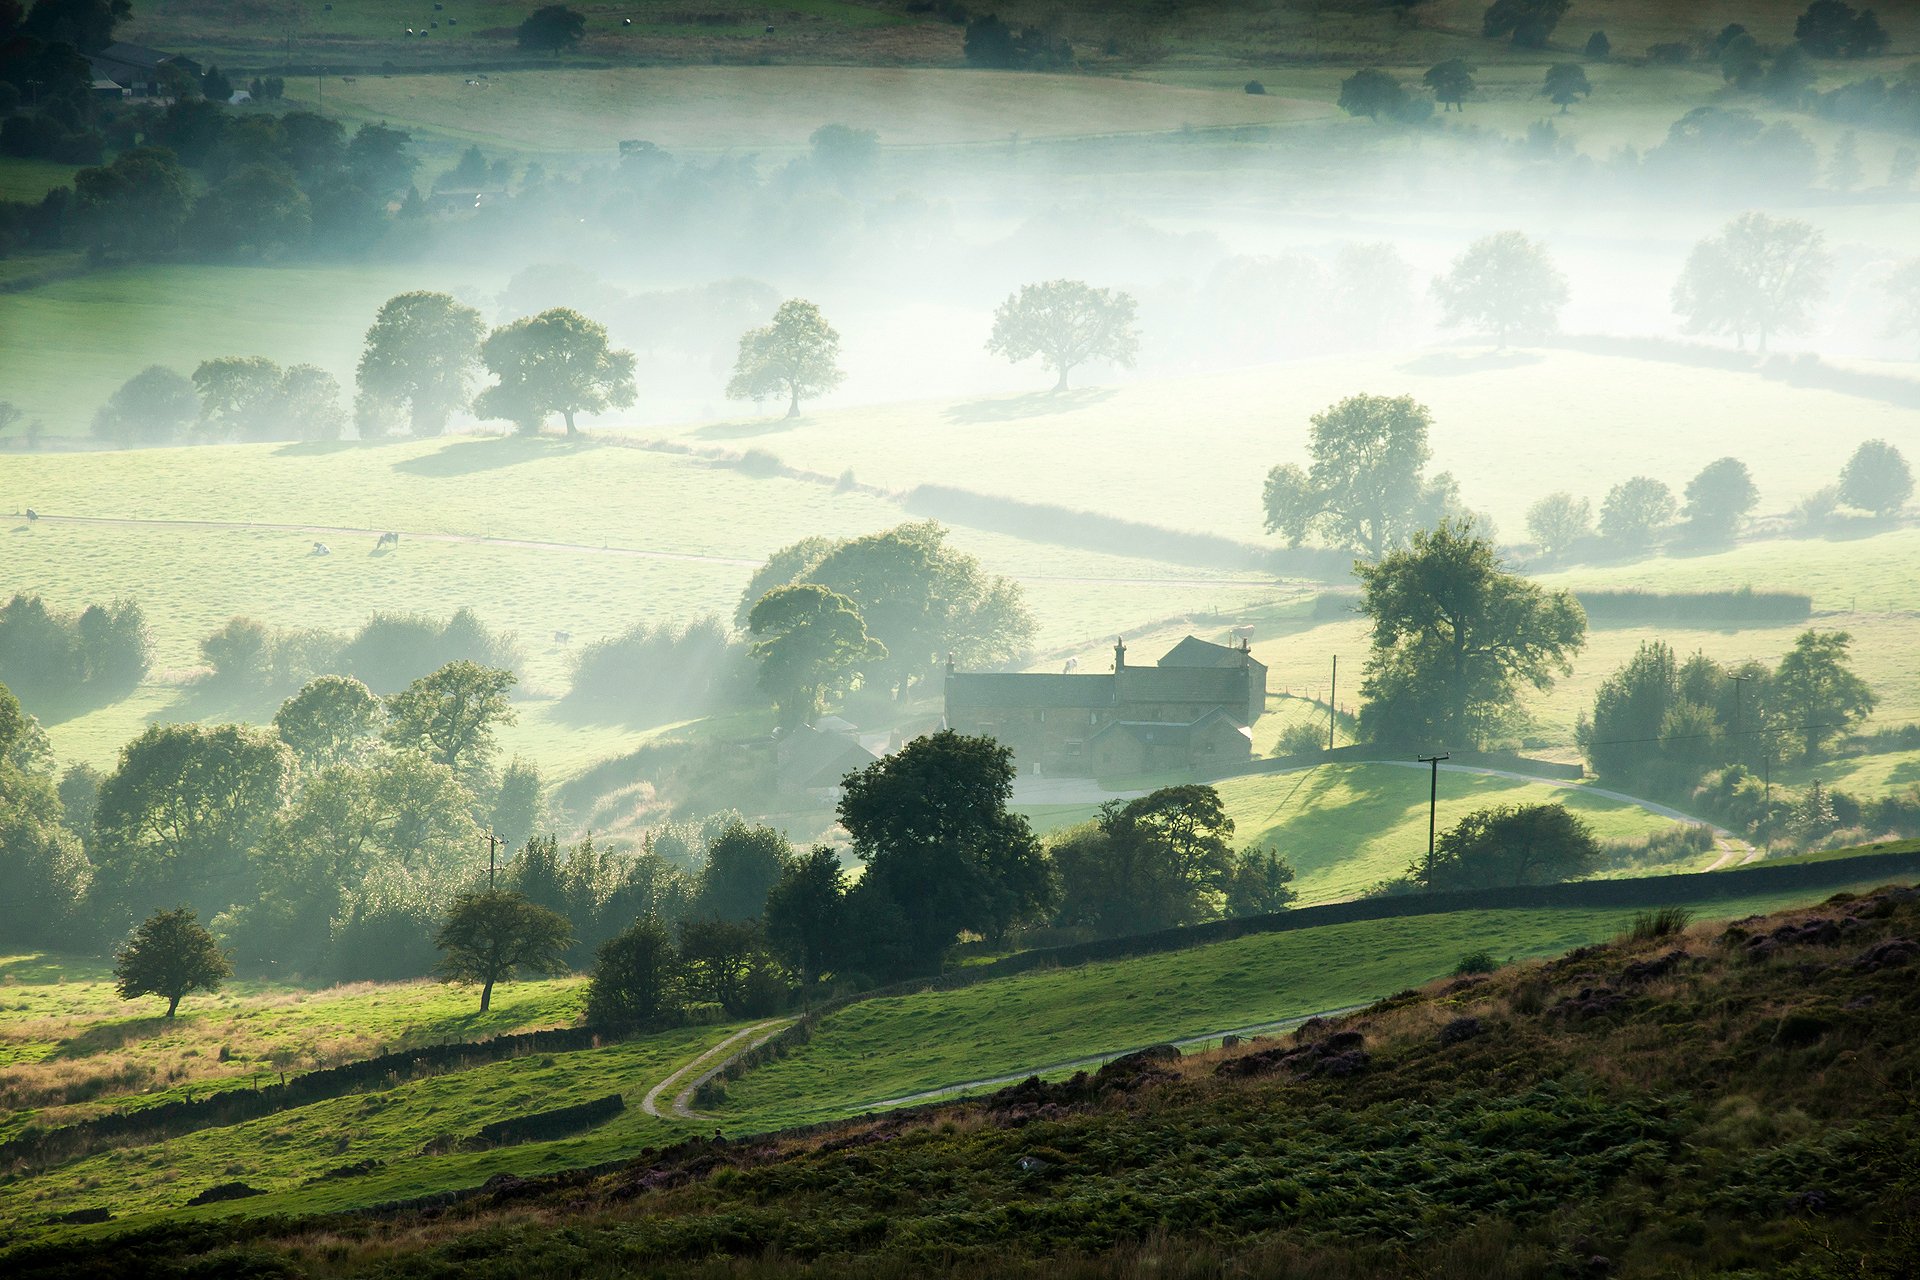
x,y
748,429
57,706
206,699
487,453
1448,364
1039,404
108,1036
316,448
1902,773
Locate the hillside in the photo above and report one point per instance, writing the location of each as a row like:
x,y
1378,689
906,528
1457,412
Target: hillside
x,y
1724,1100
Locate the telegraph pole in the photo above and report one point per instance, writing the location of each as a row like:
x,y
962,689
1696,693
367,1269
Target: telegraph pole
x,y
1739,687
1433,805
1333,688
493,842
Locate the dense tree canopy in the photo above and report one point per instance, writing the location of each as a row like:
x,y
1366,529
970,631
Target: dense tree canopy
x,y
636,981
331,720
1451,82
1510,845
1566,83
1635,511
1718,499
552,28
1816,692
1504,284
1876,479
941,846
1559,522
797,356
151,407
1454,638
811,643
806,914
1372,93
1528,24
1066,323
743,864
556,362
451,715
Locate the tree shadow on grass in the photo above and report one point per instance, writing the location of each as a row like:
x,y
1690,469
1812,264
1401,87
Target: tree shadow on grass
x,y
203,699
106,1037
317,448
1038,404
749,428
57,706
490,453
1904,773
1449,364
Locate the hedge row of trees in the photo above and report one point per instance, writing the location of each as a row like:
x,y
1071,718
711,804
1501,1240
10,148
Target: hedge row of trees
x,y
389,651
46,654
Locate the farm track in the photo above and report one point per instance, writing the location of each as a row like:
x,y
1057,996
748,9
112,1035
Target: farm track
x,y
572,548
681,1106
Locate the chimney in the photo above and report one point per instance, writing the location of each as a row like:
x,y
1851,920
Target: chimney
x,y
1119,654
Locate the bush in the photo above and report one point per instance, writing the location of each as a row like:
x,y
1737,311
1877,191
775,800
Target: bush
x,y
1301,738
47,653
1475,962
651,675
1662,922
394,649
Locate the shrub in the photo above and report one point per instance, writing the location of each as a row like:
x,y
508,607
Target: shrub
x,y
651,675
394,649
1662,922
1475,962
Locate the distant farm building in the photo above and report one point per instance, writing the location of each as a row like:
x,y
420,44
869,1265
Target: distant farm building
x,y
1193,710
137,69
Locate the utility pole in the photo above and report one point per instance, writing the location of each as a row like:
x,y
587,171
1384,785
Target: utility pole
x,y
1739,687
1433,805
493,842
1333,688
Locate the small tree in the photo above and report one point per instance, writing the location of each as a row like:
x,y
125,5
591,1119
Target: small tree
x,y
1371,93
1261,884
743,865
1504,283
556,362
1566,83
551,28
1558,522
1599,48
451,715
240,396
1365,485
1066,323
718,956
1877,479
1718,499
798,355
1451,82
170,954
1635,511
1510,845
637,981
809,642
495,934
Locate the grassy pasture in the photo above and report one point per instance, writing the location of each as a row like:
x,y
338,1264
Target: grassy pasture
x,y
191,577
1107,449
27,180
777,108
884,1049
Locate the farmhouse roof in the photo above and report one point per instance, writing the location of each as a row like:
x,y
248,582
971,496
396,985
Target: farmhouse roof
x,y
1183,684
811,759
1195,652
1167,733
1028,689
135,55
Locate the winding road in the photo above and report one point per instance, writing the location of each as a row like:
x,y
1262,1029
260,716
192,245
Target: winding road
x,y
682,1104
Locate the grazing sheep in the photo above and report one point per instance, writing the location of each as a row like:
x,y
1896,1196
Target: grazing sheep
x,y
32,514
322,549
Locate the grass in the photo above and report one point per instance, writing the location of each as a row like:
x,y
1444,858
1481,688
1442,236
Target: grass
x,y
880,1050
27,180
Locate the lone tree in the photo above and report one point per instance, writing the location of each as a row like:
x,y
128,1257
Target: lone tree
x,y
1816,692
1454,638
1066,323
1528,23
810,642
330,721
1718,499
1566,83
151,407
1760,275
170,954
494,934
798,355
1372,93
1877,479
1558,522
1451,82
1510,844
420,353
1505,284
556,362
552,28
1365,490
1635,511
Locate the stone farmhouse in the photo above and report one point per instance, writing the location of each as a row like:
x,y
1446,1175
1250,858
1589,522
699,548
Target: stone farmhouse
x,y
1192,710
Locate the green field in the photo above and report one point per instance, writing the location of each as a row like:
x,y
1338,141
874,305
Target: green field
x,y
869,1053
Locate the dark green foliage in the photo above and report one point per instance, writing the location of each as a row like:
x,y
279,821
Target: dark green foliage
x,y
992,44
743,864
806,914
1152,863
1876,479
491,935
1835,29
151,407
1455,636
394,649
1510,845
941,847
1372,93
1718,500
638,980
169,955
544,1126
1528,23
725,962
812,646
551,28
451,715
